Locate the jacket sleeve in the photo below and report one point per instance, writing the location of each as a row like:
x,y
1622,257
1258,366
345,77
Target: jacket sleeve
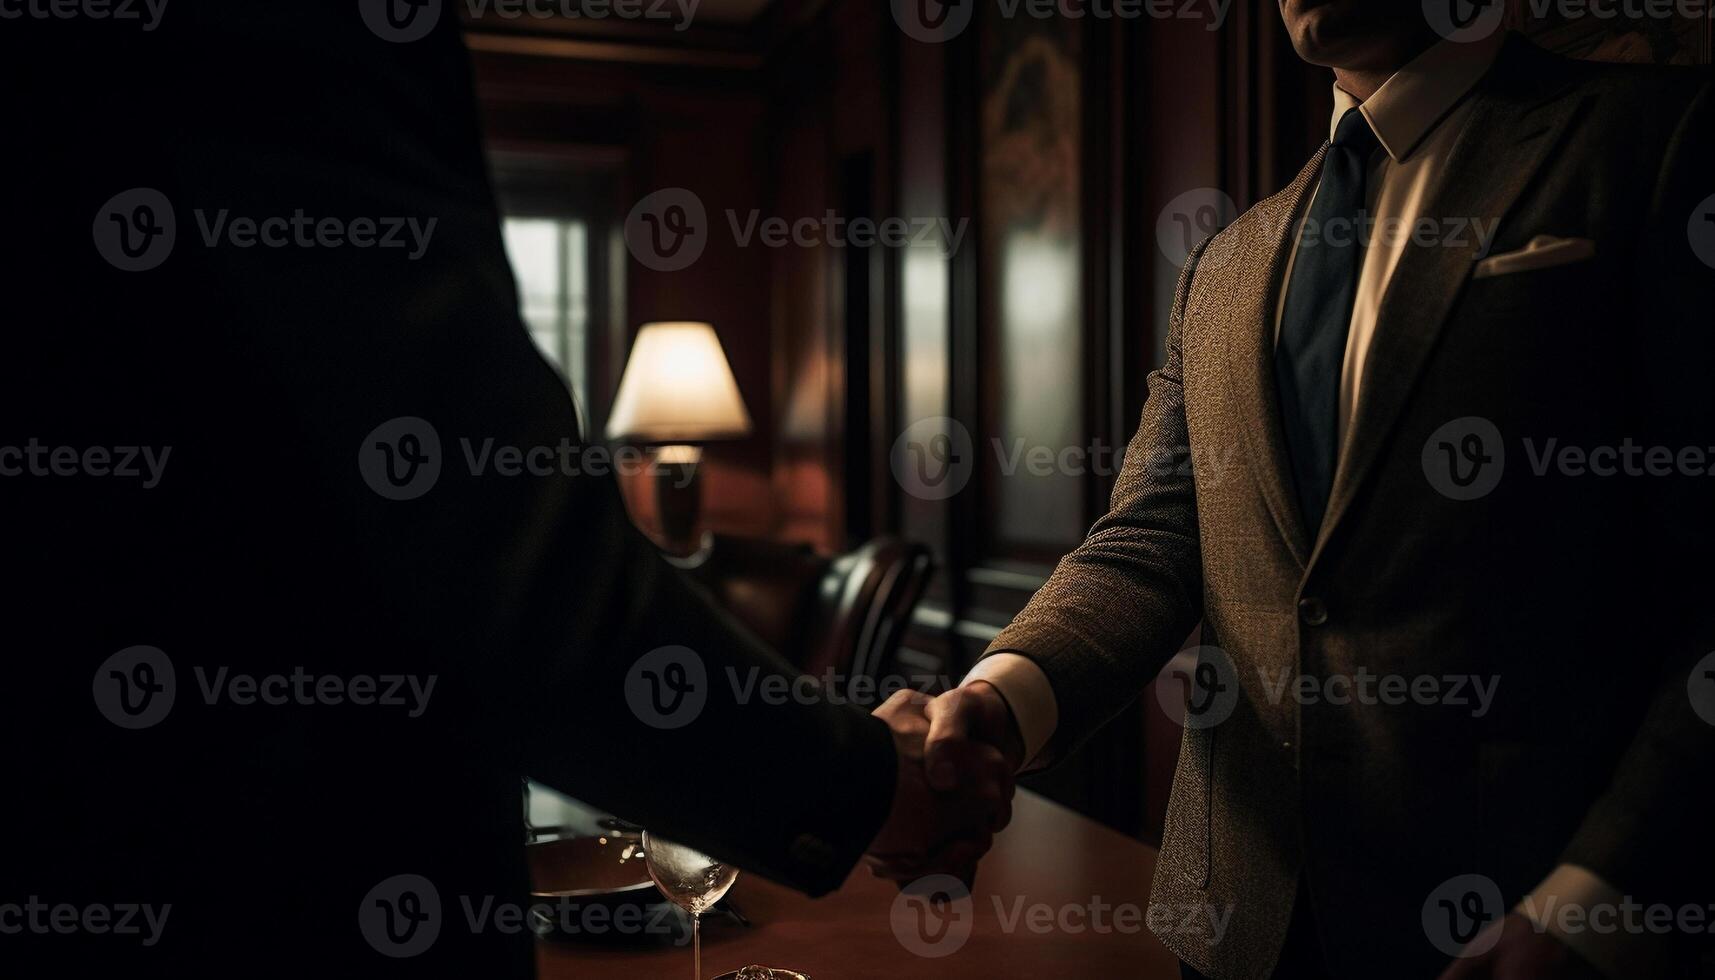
x,y
1116,609
528,593
1648,835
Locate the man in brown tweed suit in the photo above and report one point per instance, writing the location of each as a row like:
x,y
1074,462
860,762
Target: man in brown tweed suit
x,y
1453,712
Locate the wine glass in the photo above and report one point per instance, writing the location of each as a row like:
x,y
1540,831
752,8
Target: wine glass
x,y
691,880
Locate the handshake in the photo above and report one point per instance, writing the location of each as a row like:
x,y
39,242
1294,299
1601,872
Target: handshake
x,y
958,754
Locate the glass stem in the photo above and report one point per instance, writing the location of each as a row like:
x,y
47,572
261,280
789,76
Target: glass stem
x,y
696,947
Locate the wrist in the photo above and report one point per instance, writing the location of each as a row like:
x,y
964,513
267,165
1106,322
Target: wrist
x,y
1012,737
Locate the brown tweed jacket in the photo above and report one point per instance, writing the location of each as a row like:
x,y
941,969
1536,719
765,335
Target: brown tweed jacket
x,y
1575,595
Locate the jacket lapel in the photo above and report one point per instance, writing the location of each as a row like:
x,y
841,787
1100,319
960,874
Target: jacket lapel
x,y
1250,356
1519,115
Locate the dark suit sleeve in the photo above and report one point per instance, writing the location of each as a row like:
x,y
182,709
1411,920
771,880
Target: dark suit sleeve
x,y
1117,607
786,787
1648,836
528,596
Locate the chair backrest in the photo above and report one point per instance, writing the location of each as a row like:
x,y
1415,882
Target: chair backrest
x,y
843,615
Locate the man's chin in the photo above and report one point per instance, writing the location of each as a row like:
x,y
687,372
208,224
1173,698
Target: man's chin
x,y
1326,34
1360,35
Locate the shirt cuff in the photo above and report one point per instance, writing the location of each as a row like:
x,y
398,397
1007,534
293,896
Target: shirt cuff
x,y
1578,908
1028,693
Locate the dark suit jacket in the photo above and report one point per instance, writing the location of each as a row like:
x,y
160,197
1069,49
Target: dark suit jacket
x,y
263,549
1573,593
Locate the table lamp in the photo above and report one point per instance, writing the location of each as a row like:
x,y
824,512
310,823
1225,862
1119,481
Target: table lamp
x,y
677,393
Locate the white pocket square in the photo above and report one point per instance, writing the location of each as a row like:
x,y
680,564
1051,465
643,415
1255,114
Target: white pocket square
x,y
1543,252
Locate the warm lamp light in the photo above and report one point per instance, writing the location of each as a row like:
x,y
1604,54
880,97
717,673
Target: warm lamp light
x,y
677,393
677,388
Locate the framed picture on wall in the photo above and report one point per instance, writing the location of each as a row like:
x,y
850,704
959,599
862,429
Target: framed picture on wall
x,y
1030,312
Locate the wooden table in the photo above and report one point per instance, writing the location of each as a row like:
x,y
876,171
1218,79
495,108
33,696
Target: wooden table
x,y
1050,863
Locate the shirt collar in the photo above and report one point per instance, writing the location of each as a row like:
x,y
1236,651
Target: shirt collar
x,y
1416,98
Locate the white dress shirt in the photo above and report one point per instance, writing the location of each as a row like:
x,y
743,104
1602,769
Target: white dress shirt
x,y
1417,116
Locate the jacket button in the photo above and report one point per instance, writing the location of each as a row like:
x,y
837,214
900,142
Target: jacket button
x,y
1312,612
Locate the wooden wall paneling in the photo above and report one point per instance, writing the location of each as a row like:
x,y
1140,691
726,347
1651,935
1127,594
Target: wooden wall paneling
x,y
807,427
1033,392
923,311
727,286
829,88
648,123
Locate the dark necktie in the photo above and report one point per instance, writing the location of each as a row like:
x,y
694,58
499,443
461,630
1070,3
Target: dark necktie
x,y
1318,314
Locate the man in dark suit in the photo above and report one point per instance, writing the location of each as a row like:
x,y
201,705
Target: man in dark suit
x,y
1454,605
271,650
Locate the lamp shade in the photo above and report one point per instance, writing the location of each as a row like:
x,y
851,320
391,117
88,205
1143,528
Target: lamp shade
x,y
677,387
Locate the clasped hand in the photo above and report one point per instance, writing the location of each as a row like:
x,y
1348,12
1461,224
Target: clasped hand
x,y
958,754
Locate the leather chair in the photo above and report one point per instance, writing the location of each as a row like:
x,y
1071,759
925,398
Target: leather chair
x,y
841,614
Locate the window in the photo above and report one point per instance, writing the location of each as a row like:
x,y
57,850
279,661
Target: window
x,y
550,259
